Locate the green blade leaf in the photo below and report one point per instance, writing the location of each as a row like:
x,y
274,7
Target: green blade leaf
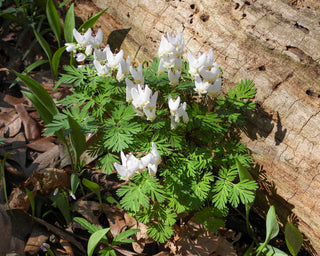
x,y
118,239
32,201
294,238
56,60
77,138
53,20
75,182
272,225
86,224
69,24
41,98
90,22
44,44
94,187
95,239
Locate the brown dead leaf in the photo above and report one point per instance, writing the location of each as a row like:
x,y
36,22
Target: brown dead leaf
x,y
88,209
197,241
115,219
31,127
67,247
38,236
17,148
5,224
43,144
19,199
10,124
51,178
44,160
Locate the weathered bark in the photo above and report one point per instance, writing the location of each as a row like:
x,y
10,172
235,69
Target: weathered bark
x,y
272,42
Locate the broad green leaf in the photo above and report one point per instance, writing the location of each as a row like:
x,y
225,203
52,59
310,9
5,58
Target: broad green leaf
x,y
90,22
243,172
272,225
69,24
77,138
294,238
56,60
269,250
62,203
44,44
41,95
53,20
95,238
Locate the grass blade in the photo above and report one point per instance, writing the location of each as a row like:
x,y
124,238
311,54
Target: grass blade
x,y
54,20
56,60
69,24
90,22
44,44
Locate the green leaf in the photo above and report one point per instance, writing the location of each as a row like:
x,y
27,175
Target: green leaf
x,y
44,44
86,224
77,138
90,22
269,250
75,182
53,20
32,201
41,98
121,238
272,225
56,60
62,203
95,238
294,238
69,24
94,187
63,3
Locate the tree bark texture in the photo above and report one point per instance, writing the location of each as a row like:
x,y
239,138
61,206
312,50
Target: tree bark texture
x,y
276,43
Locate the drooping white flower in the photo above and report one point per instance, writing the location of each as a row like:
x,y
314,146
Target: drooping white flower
x,y
80,57
173,104
144,161
129,166
177,42
96,41
174,76
113,59
82,40
123,68
100,55
161,67
102,70
129,85
137,74
215,89
152,168
70,47
165,47
210,75
181,112
209,59
156,158
195,64
150,108
141,97
201,86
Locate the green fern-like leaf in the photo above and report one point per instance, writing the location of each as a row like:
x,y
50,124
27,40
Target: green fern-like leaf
x,y
243,191
160,232
222,190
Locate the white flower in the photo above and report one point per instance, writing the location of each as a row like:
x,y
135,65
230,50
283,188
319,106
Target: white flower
x,y
173,104
137,74
140,97
156,158
161,67
144,161
82,40
123,68
181,112
150,108
209,59
177,42
100,55
174,77
201,86
210,75
165,48
215,89
70,47
80,57
96,42
130,165
152,168
195,64
129,85
113,59
102,70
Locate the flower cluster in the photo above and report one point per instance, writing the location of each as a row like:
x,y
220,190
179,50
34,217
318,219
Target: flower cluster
x,y
206,73
131,164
